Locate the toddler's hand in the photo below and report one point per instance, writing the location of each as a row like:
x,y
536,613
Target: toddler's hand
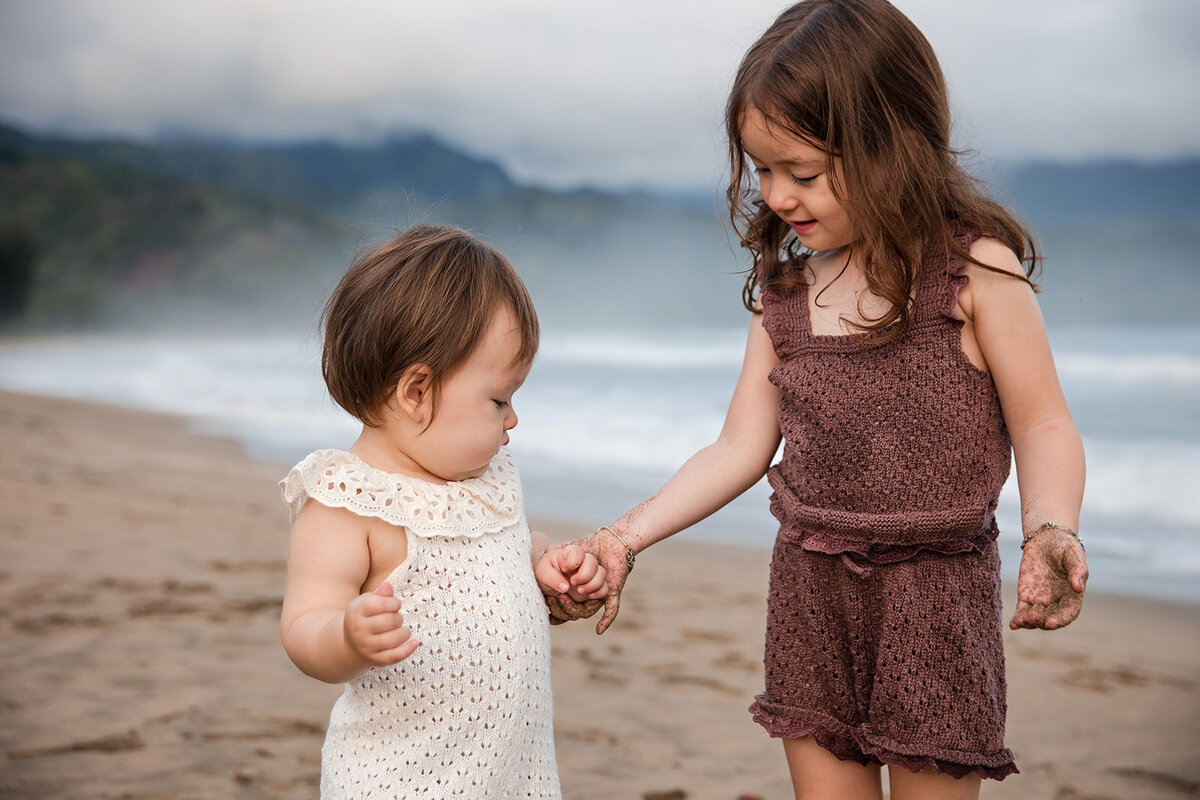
x,y
375,629
573,571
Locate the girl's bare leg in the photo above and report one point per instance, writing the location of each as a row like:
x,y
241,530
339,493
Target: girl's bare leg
x,y
930,785
818,774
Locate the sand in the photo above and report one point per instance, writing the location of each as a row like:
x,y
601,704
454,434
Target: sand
x,y
140,578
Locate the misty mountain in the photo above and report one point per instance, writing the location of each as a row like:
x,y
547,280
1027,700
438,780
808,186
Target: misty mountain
x,y
1056,195
260,231
322,174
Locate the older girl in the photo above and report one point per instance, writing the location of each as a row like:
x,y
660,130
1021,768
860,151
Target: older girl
x,y
898,350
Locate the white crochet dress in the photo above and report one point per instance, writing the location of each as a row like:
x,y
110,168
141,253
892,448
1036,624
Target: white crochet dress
x,y
469,714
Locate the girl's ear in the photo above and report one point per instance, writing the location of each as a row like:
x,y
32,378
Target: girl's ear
x,y
414,394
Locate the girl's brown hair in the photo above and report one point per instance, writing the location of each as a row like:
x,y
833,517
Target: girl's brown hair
x,y
858,80
425,296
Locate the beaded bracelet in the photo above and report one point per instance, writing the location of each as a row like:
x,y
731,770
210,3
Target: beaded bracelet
x,y
1057,527
630,556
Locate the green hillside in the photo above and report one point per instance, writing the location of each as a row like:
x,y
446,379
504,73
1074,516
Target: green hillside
x,y
118,226
107,230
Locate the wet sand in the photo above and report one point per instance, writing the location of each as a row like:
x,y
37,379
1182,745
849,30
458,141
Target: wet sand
x,y
141,569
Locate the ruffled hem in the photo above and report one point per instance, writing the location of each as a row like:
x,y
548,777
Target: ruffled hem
x,y
864,747
470,508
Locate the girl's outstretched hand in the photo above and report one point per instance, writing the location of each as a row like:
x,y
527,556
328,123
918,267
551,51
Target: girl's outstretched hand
x,y
611,555
375,629
1050,587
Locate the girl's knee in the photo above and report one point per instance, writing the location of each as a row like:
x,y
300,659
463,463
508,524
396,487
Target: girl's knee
x,y
818,774
929,784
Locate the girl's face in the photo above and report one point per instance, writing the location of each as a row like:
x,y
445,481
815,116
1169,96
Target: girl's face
x,y
474,407
794,183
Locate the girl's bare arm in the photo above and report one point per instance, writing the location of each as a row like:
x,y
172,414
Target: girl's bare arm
x,y
1007,324
733,463
711,478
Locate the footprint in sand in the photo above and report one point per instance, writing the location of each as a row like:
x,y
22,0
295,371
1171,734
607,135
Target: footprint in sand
x,y
669,794
1071,793
1162,780
56,622
254,729
250,565
705,635
109,601
732,659
1084,676
116,743
1105,681
589,735
702,681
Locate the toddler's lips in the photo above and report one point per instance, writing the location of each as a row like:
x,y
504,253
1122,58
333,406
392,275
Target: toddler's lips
x,y
804,226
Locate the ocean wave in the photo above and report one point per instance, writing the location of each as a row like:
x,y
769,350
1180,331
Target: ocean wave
x,y
1170,369
1101,359
270,391
1148,480
648,350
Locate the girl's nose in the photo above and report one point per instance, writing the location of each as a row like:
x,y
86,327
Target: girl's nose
x,y
780,198
510,419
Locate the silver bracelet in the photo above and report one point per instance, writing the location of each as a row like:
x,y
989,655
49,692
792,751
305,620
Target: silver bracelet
x,y
1053,526
630,556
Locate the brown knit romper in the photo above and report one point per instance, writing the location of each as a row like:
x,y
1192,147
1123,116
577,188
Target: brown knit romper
x,y
884,614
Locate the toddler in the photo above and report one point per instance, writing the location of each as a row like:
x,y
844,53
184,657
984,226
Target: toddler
x,y
412,573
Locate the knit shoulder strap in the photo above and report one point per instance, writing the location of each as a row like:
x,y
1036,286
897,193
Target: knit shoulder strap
x,y
949,272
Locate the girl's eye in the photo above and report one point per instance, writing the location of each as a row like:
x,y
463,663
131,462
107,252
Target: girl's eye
x,y
804,181
500,404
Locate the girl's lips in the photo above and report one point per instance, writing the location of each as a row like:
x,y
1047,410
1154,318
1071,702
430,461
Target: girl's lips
x,y
804,226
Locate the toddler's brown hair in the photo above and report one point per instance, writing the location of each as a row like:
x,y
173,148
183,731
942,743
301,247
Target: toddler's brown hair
x,y
425,296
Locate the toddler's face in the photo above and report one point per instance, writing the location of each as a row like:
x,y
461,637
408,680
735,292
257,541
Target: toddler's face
x,y
474,410
794,183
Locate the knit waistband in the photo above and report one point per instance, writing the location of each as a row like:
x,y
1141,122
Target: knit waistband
x,y
832,530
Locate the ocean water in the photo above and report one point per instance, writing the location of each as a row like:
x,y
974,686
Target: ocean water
x,y
606,418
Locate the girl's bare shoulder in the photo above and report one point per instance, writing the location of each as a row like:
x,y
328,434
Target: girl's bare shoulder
x,y
1002,276
995,254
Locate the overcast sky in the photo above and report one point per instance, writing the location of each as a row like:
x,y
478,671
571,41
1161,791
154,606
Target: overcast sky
x,y
616,93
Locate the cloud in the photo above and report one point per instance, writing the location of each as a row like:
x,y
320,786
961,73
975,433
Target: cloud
x,y
1072,79
620,93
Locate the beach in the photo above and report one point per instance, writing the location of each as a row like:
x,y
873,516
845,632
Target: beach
x,y
141,575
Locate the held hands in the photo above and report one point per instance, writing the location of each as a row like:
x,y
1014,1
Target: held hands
x,y
375,629
572,571
1050,586
611,554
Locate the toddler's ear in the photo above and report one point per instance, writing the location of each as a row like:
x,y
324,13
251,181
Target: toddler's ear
x,y
414,394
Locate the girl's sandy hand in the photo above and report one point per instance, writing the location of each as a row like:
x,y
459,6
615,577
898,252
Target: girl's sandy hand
x,y
1050,587
375,630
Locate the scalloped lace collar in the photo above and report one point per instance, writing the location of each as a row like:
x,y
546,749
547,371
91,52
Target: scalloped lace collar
x,y
472,507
